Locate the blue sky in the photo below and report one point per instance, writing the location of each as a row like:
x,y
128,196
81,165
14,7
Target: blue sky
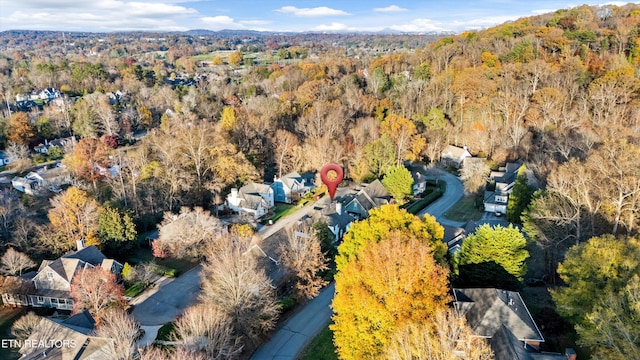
x,y
270,15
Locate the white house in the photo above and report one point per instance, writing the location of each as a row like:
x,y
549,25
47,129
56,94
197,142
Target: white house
x,y
454,156
496,201
255,199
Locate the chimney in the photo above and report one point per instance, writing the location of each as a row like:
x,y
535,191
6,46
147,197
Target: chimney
x,y
339,208
234,193
80,244
571,354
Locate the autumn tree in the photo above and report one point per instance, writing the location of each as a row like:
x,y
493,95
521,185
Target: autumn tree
x,y
443,336
74,216
13,262
185,234
232,280
492,256
399,183
19,129
205,328
383,289
235,58
380,155
116,230
116,324
87,156
302,256
408,143
97,291
285,145
383,220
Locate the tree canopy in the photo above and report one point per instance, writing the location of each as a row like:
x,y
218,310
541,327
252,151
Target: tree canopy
x,y
399,183
492,256
391,282
383,220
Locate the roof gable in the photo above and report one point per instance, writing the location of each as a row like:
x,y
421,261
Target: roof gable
x,y
488,309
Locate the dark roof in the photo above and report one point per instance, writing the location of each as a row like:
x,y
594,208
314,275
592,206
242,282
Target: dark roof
x,y
372,195
488,309
89,254
506,346
81,322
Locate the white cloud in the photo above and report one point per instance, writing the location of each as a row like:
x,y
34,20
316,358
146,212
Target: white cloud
x,y
312,12
390,9
419,25
221,22
96,15
334,26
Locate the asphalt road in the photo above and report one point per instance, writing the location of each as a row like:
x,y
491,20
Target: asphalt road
x,y
170,300
453,194
299,330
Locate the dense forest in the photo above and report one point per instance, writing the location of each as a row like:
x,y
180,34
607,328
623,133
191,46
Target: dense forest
x,y
186,117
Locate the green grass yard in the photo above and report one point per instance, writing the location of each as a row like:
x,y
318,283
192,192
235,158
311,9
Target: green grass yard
x,y
321,347
464,210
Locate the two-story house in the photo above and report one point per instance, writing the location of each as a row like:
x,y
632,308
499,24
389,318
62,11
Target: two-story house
x,y
255,199
290,187
54,277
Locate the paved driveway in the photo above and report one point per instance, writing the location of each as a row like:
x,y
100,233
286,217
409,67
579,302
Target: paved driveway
x,y
453,194
170,300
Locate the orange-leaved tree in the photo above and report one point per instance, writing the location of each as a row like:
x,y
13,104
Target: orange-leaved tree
x,y
388,284
96,290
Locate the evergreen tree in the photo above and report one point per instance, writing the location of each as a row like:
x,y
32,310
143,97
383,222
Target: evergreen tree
x,y
520,197
399,183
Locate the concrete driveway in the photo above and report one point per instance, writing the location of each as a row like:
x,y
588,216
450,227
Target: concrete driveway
x,y
169,300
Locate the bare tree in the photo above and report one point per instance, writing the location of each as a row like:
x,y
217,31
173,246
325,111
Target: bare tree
x,y
122,328
23,327
232,280
154,353
445,336
13,262
285,143
185,234
302,257
10,209
206,328
18,154
474,175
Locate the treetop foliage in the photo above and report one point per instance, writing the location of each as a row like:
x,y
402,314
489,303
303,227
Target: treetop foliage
x,y
383,220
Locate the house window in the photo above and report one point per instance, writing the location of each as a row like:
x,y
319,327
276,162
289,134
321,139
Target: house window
x,y
50,275
54,301
40,300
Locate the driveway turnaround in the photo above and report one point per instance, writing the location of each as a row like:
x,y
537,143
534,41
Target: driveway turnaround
x,y
299,330
170,300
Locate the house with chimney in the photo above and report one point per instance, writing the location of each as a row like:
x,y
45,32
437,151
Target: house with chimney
x,y
496,197
253,199
454,156
54,277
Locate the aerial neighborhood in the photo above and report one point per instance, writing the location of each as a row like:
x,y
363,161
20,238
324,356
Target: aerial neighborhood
x,y
322,194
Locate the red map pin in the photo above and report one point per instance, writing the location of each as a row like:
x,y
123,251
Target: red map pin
x,y
332,183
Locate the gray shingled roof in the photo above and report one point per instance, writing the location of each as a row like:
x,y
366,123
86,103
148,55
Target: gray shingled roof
x,y
487,310
506,346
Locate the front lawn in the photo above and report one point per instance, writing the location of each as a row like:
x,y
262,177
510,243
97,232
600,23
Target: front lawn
x,y
134,289
280,211
321,347
464,210
170,267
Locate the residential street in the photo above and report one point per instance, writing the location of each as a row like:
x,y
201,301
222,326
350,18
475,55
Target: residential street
x,y
293,336
453,194
299,330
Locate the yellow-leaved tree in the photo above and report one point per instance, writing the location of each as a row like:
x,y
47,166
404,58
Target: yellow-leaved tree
x,y
388,284
385,219
74,216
